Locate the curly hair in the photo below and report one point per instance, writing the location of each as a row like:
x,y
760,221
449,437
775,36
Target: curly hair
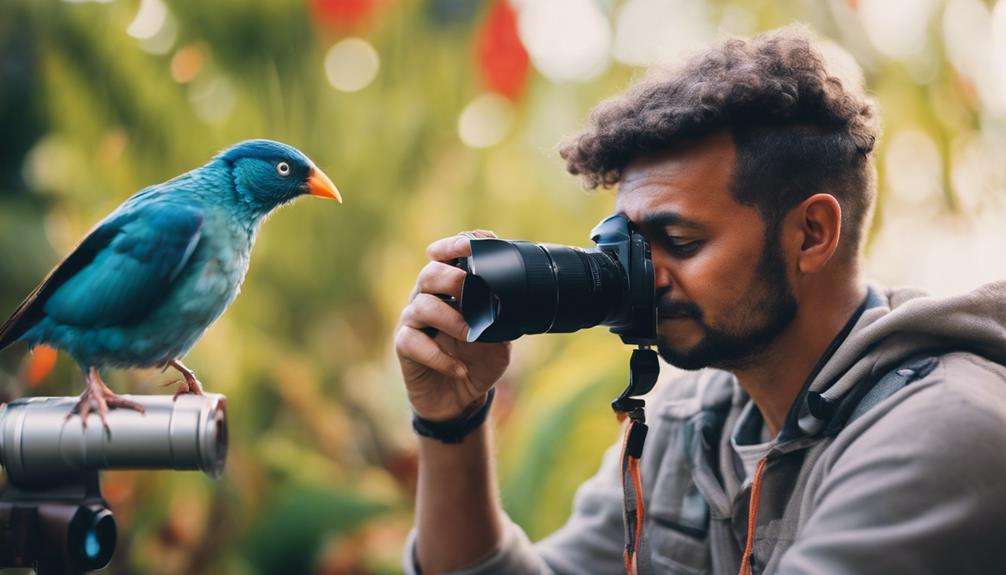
x,y
798,128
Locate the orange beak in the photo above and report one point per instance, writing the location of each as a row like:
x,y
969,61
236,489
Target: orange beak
x,y
321,186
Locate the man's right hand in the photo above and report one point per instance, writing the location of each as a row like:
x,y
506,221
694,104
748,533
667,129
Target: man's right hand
x,y
445,376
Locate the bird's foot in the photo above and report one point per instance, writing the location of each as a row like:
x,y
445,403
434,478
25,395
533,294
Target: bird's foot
x,y
186,387
189,382
99,397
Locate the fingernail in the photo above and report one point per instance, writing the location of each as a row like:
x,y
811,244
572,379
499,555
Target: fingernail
x,y
461,372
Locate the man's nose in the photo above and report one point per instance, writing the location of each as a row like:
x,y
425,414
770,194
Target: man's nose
x,y
662,277
663,268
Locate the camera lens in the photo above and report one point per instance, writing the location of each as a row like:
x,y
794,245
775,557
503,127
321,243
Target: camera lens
x,y
589,287
515,288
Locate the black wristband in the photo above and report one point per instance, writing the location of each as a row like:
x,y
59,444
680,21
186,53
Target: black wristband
x,y
453,430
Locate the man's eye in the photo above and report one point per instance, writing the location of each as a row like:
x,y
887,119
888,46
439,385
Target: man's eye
x,y
682,247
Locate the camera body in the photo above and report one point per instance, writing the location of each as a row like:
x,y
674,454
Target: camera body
x,y
514,288
637,320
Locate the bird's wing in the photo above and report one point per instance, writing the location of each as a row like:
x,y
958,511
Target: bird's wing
x,y
117,273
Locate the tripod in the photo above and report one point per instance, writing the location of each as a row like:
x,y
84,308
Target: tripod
x,y
61,526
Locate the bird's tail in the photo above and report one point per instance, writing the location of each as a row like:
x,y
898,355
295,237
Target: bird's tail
x,y
19,321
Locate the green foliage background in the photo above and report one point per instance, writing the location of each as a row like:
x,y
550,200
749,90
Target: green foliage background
x,y
320,472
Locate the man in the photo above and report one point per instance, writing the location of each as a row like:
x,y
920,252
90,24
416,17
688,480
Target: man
x,y
836,427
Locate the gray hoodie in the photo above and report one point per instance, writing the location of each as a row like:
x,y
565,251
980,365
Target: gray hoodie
x,y
911,480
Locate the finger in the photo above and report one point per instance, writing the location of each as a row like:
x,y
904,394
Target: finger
x,y
430,311
440,278
480,233
457,246
447,249
414,346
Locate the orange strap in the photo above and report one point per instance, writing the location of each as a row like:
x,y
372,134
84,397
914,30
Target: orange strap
x,y
643,371
752,517
634,509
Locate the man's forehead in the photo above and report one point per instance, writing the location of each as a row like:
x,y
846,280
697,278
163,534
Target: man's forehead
x,y
712,153
690,179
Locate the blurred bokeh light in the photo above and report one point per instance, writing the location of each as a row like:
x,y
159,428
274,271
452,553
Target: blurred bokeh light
x,y
351,64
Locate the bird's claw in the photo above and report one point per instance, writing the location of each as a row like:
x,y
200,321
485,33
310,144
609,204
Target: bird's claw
x,y
189,382
116,401
98,397
83,408
193,387
180,392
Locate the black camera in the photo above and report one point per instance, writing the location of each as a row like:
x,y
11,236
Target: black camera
x,y
513,288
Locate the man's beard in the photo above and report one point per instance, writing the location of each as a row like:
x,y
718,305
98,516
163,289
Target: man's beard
x,y
764,311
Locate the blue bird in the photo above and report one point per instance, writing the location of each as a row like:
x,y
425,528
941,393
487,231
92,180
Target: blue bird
x,y
148,280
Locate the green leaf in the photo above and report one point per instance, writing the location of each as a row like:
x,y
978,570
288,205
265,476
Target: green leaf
x,y
288,534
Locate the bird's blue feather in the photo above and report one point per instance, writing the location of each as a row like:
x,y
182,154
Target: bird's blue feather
x,y
149,245
262,150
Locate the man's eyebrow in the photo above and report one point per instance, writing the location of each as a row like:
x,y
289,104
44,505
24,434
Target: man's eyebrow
x,y
665,219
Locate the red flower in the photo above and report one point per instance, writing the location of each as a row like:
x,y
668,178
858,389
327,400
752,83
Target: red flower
x,y
343,15
502,58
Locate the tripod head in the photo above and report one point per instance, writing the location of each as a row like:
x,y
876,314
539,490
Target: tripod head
x,y
52,514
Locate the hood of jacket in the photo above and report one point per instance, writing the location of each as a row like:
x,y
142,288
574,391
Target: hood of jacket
x,y
900,324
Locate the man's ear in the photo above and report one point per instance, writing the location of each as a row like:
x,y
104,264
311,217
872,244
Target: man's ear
x,y
817,224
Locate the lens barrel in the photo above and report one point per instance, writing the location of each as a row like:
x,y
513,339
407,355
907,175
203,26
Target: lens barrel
x,y
515,288
38,441
590,286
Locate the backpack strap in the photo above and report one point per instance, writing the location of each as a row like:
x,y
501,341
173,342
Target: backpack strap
x,y
866,396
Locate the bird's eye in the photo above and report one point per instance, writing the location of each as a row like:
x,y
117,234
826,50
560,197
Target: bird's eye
x,y
283,168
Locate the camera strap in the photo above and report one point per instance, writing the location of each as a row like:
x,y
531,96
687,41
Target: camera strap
x,y
643,372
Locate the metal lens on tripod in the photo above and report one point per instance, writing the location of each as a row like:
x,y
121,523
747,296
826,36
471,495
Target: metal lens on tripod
x,y
38,442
